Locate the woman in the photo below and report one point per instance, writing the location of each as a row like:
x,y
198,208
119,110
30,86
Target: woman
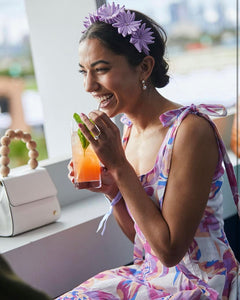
x,y
164,184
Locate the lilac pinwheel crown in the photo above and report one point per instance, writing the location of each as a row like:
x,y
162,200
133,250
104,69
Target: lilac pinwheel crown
x,y
125,22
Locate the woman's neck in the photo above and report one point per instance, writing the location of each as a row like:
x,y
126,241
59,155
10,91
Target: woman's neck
x,y
146,113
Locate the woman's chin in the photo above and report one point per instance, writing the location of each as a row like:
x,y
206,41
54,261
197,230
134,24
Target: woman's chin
x,y
109,113
110,110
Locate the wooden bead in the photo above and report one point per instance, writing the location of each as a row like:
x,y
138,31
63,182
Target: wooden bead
x,y
4,170
33,153
4,150
31,145
33,163
18,134
5,140
10,133
4,160
26,137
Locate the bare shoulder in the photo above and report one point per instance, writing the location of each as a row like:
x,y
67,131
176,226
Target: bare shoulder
x,y
196,144
196,128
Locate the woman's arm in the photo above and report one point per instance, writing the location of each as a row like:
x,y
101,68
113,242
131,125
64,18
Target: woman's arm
x,y
194,160
124,220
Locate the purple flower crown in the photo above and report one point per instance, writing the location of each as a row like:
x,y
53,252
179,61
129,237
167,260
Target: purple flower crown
x,y
126,24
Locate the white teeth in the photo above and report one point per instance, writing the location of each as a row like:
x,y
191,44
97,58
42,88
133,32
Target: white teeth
x,y
104,98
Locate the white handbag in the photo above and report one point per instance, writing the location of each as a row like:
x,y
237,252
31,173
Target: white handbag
x,y
28,198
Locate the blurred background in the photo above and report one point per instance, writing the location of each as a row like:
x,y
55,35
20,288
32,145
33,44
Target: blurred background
x,y
20,102
202,54
201,48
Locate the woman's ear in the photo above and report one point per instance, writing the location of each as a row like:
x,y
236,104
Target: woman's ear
x,y
147,65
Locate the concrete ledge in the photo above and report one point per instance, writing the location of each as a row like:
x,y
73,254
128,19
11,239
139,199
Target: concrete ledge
x,y
59,256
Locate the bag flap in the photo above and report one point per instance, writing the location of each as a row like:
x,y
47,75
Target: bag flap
x,y
29,186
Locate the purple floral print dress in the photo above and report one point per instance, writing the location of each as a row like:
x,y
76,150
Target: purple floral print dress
x,y
209,269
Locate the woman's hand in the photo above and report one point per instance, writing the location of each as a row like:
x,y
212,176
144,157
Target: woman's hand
x,y
71,172
108,185
105,139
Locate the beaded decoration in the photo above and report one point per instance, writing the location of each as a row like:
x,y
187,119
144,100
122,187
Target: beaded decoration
x,y
31,145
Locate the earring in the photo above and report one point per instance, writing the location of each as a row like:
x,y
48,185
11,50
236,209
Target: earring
x,y
144,87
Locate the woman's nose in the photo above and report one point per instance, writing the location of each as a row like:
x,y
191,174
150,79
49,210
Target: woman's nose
x,y
90,83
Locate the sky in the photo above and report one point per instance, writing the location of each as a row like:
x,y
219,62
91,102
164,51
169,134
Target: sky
x,y
13,21
159,8
14,25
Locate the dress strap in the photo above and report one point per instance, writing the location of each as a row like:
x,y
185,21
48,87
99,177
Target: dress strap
x,y
169,117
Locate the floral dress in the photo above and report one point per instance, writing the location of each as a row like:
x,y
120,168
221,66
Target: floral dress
x,y
209,269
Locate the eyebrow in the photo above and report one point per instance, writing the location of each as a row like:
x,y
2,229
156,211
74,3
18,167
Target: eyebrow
x,y
96,63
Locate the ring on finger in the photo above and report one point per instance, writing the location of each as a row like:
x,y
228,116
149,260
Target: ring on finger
x,y
96,137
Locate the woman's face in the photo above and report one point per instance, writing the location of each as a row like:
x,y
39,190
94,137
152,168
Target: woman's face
x,y
109,78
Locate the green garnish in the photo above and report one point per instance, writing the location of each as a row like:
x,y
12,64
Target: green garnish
x,y
83,140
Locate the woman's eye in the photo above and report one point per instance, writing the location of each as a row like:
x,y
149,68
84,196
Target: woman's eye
x,y
82,71
99,70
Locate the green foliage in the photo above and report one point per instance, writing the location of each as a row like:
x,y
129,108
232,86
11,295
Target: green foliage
x,y
23,74
19,153
30,83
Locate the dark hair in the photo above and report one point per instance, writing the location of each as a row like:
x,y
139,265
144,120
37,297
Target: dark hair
x,y
120,45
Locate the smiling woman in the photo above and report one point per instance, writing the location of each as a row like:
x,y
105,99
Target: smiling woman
x,y
107,73
55,54
164,182
186,84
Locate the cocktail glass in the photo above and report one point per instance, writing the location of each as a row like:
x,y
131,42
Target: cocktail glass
x,y
86,164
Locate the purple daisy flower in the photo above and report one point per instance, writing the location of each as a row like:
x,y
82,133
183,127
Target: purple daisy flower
x,y
108,13
90,20
141,38
126,24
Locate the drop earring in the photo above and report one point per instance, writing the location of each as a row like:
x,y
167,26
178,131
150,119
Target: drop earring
x,y
144,87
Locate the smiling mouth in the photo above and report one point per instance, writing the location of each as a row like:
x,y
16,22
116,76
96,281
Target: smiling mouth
x,y
104,100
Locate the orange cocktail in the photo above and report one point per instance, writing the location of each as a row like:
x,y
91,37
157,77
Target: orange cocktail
x,y
86,165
